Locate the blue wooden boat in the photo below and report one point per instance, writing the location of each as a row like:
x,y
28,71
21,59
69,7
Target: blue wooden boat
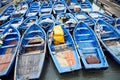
x,y
109,38
31,55
21,10
33,10
64,55
68,19
46,7
82,16
40,2
28,1
117,25
89,48
98,15
6,14
9,43
4,2
73,6
15,22
85,5
27,23
59,6
46,21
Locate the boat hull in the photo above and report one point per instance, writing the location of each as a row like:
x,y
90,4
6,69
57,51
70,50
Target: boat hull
x,y
109,38
89,48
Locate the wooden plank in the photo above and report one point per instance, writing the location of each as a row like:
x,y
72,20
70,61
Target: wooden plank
x,y
32,45
9,46
28,65
113,38
34,52
35,31
87,41
111,7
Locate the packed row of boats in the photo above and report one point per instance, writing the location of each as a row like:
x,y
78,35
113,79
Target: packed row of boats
x,y
72,37
4,2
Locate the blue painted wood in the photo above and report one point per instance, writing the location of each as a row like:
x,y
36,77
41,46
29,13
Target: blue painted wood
x,y
88,45
86,5
31,55
71,4
117,25
46,7
27,23
33,10
29,1
4,2
98,15
68,19
7,13
21,10
58,55
15,22
82,16
11,44
46,21
109,38
59,6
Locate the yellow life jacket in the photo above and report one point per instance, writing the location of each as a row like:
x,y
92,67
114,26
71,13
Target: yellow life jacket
x,y
58,35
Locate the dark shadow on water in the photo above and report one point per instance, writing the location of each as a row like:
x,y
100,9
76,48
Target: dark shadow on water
x,y
10,76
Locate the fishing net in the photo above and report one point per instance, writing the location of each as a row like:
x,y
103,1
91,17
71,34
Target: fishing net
x,y
65,58
92,59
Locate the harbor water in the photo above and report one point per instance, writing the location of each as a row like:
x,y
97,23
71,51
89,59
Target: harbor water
x,y
50,72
